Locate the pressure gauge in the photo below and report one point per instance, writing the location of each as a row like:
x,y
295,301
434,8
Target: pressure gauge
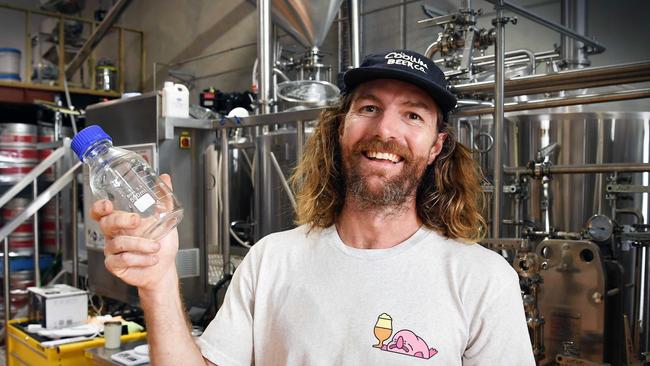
x,y
599,228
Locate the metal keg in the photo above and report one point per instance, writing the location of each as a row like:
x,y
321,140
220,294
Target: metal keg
x,y
13,172
46,134
48,242
18,133
49,210
19,299
20,280
18,143
21,244
48,231
14,208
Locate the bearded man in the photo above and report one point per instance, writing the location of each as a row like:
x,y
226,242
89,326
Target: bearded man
x,y
383,269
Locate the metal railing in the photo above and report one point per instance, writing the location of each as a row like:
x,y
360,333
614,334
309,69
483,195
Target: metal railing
x,y
31,210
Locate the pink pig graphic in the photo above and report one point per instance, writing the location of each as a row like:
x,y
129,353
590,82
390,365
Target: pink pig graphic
x,y
408,343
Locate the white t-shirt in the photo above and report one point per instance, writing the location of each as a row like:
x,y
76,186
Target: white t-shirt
x,y
306,298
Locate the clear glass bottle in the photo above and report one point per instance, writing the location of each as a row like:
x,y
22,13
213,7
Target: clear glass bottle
x,y
127,180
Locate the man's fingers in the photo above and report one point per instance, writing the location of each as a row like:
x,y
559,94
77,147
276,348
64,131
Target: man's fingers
x,y
167,179
167,200
100,209
114,223
130,244
119,263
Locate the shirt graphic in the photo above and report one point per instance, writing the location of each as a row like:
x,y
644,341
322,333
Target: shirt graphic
x,y
404,341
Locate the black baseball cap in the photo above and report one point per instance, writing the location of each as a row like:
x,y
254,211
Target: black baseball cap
x,y
407,66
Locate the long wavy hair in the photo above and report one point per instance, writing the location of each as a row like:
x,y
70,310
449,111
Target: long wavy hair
x,y
449,198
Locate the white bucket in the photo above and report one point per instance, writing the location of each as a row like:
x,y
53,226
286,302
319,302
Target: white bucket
x,y
9,64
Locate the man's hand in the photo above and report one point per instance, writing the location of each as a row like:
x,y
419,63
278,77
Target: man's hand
x,y
137,261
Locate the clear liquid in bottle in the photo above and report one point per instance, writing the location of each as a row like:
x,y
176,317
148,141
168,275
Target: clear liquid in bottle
x,y
129,182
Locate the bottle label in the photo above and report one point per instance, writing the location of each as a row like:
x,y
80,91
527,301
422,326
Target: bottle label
x,y
144,202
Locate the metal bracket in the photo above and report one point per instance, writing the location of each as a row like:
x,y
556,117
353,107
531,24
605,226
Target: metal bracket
x,y
441,20
627,188
487,188
512,189
564,360
506,244
504,20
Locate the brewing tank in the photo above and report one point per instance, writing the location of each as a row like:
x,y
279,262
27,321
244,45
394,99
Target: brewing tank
x,y
580,138
564,202
273,210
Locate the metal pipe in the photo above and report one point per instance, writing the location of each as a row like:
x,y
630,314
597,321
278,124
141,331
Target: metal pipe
x,y
37,257
600,179
517,200
7,294
300,140
58,166
574,16
313,113
217,53
279,72
120,60
509,62
432,49
283,180
61,50
57,222
264,55
499,51
225,202
66,91
153,76
28,45
250,121
355,34
340,33
470,129
473,102
644,337
585,168
637,309
489,59
402,24
513,57
75,240
596,47
560,102
607,75
142,63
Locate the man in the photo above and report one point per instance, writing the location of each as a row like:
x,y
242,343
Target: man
x,y
382,270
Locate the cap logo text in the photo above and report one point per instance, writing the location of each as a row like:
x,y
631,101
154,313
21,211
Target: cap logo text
x,y
401,58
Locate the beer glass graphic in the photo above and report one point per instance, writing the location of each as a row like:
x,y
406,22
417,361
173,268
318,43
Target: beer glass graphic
x,y
383,329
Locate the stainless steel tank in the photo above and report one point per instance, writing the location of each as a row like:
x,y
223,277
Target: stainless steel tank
x,y
581,138
566,201
273,210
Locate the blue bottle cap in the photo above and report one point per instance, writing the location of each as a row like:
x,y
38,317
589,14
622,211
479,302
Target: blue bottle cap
x,y
86,138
